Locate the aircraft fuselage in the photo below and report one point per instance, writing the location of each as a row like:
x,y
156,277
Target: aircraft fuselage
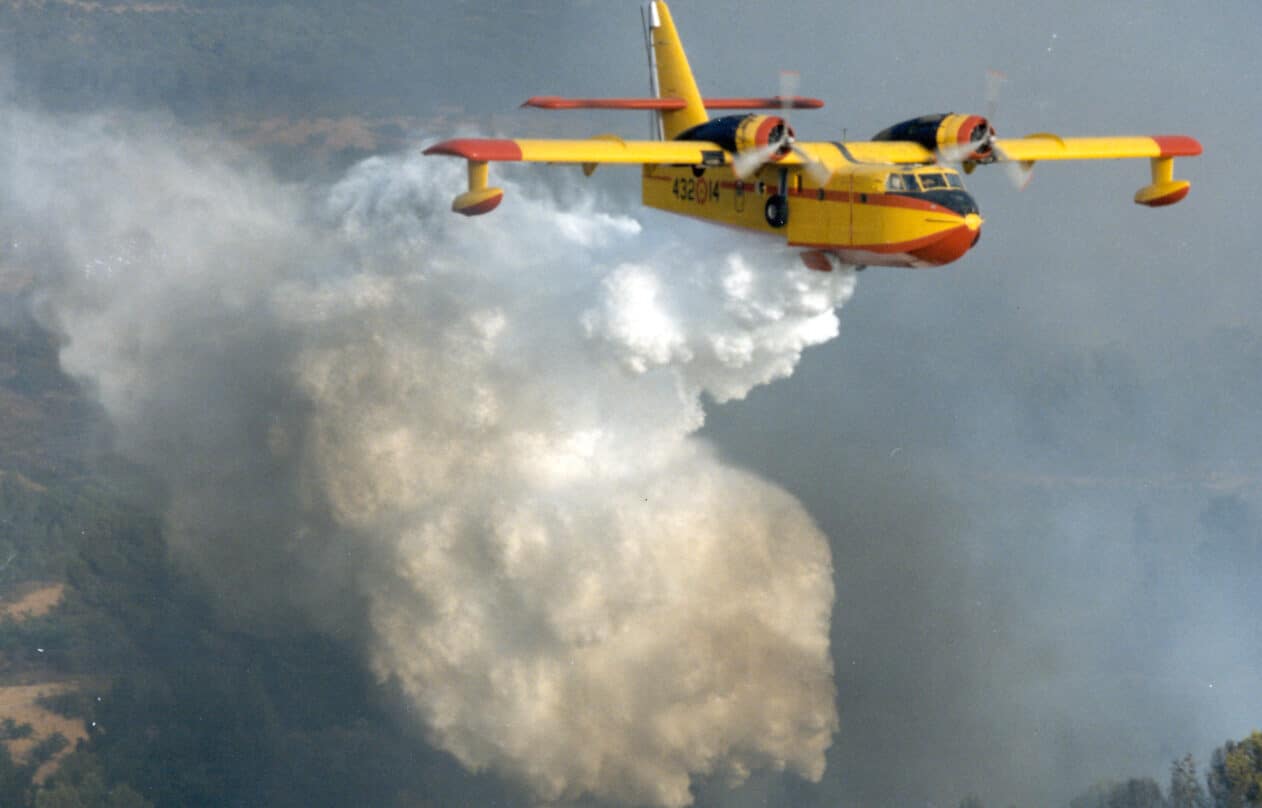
x,y
871,215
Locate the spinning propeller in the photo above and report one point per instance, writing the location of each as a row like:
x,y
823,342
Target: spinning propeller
x,y
983,141
747,163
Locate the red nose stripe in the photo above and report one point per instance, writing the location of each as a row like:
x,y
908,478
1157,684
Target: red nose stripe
x,y
950,246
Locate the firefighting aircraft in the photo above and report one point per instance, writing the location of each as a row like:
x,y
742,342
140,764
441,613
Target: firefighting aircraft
x,y
894,200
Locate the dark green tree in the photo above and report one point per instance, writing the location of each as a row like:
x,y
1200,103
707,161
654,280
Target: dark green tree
x,y
1186,790
1235,773
1138,792
80,783
14,779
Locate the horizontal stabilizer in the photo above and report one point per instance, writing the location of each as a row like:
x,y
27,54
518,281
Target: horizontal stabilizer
x,y
668,104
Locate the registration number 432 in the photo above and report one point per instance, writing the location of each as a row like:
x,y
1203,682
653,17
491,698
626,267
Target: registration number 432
x,y
689,189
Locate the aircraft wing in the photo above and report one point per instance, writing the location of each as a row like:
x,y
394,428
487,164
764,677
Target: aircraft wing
x,y
613,149
601,149
1044,146
1160,149
1028,149
481,198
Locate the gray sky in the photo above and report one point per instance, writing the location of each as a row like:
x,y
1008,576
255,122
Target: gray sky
x,y
1039,469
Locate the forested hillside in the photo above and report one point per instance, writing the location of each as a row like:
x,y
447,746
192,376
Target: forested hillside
x,y
175,710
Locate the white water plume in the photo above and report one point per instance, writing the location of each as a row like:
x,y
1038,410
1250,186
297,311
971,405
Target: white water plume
x,y
469,439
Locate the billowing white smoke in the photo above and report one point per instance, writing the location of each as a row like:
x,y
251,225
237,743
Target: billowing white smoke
x,y
475,437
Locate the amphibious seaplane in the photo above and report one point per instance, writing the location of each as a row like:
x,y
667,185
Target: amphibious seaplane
x,y
894,200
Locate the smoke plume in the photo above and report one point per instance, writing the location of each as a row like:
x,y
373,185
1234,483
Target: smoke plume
x,y
466,445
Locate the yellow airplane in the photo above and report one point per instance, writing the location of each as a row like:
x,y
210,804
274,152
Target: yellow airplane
x,y
893,200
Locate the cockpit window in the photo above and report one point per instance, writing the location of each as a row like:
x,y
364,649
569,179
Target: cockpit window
x,y
954,181
902,182
931,181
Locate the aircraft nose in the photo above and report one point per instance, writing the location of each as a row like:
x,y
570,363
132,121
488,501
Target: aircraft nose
x,y
973,222
953,243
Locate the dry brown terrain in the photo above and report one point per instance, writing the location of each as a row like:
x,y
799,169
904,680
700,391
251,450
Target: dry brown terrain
x,y
32,600
19,703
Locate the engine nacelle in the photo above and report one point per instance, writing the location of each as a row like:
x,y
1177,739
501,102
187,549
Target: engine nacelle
x,y
951,133
742,133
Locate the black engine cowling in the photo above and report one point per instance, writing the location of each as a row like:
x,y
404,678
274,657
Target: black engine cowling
x,y
946,132
741,133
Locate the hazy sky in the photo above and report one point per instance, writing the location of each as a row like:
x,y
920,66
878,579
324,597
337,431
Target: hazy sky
x,y
1039,470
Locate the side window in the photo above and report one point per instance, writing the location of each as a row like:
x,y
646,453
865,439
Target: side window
x,y
932,181
954,181
901,182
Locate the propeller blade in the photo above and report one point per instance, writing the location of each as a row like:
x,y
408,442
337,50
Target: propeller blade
x,y
993,81
815,169
956,152
1019,172
789,81
748,162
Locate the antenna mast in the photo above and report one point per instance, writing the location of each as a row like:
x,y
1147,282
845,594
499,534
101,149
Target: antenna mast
x,y
650,21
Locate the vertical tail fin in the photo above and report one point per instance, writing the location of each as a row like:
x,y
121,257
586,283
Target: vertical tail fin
x,y
674,77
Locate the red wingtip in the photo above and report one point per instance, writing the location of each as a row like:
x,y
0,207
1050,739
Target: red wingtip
x,y
1178,145
482,149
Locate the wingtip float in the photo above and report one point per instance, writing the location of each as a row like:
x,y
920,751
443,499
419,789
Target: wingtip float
x,y
1165,189
895,200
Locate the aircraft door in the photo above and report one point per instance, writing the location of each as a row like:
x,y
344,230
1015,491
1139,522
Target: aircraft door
x,y
863,220
810,216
